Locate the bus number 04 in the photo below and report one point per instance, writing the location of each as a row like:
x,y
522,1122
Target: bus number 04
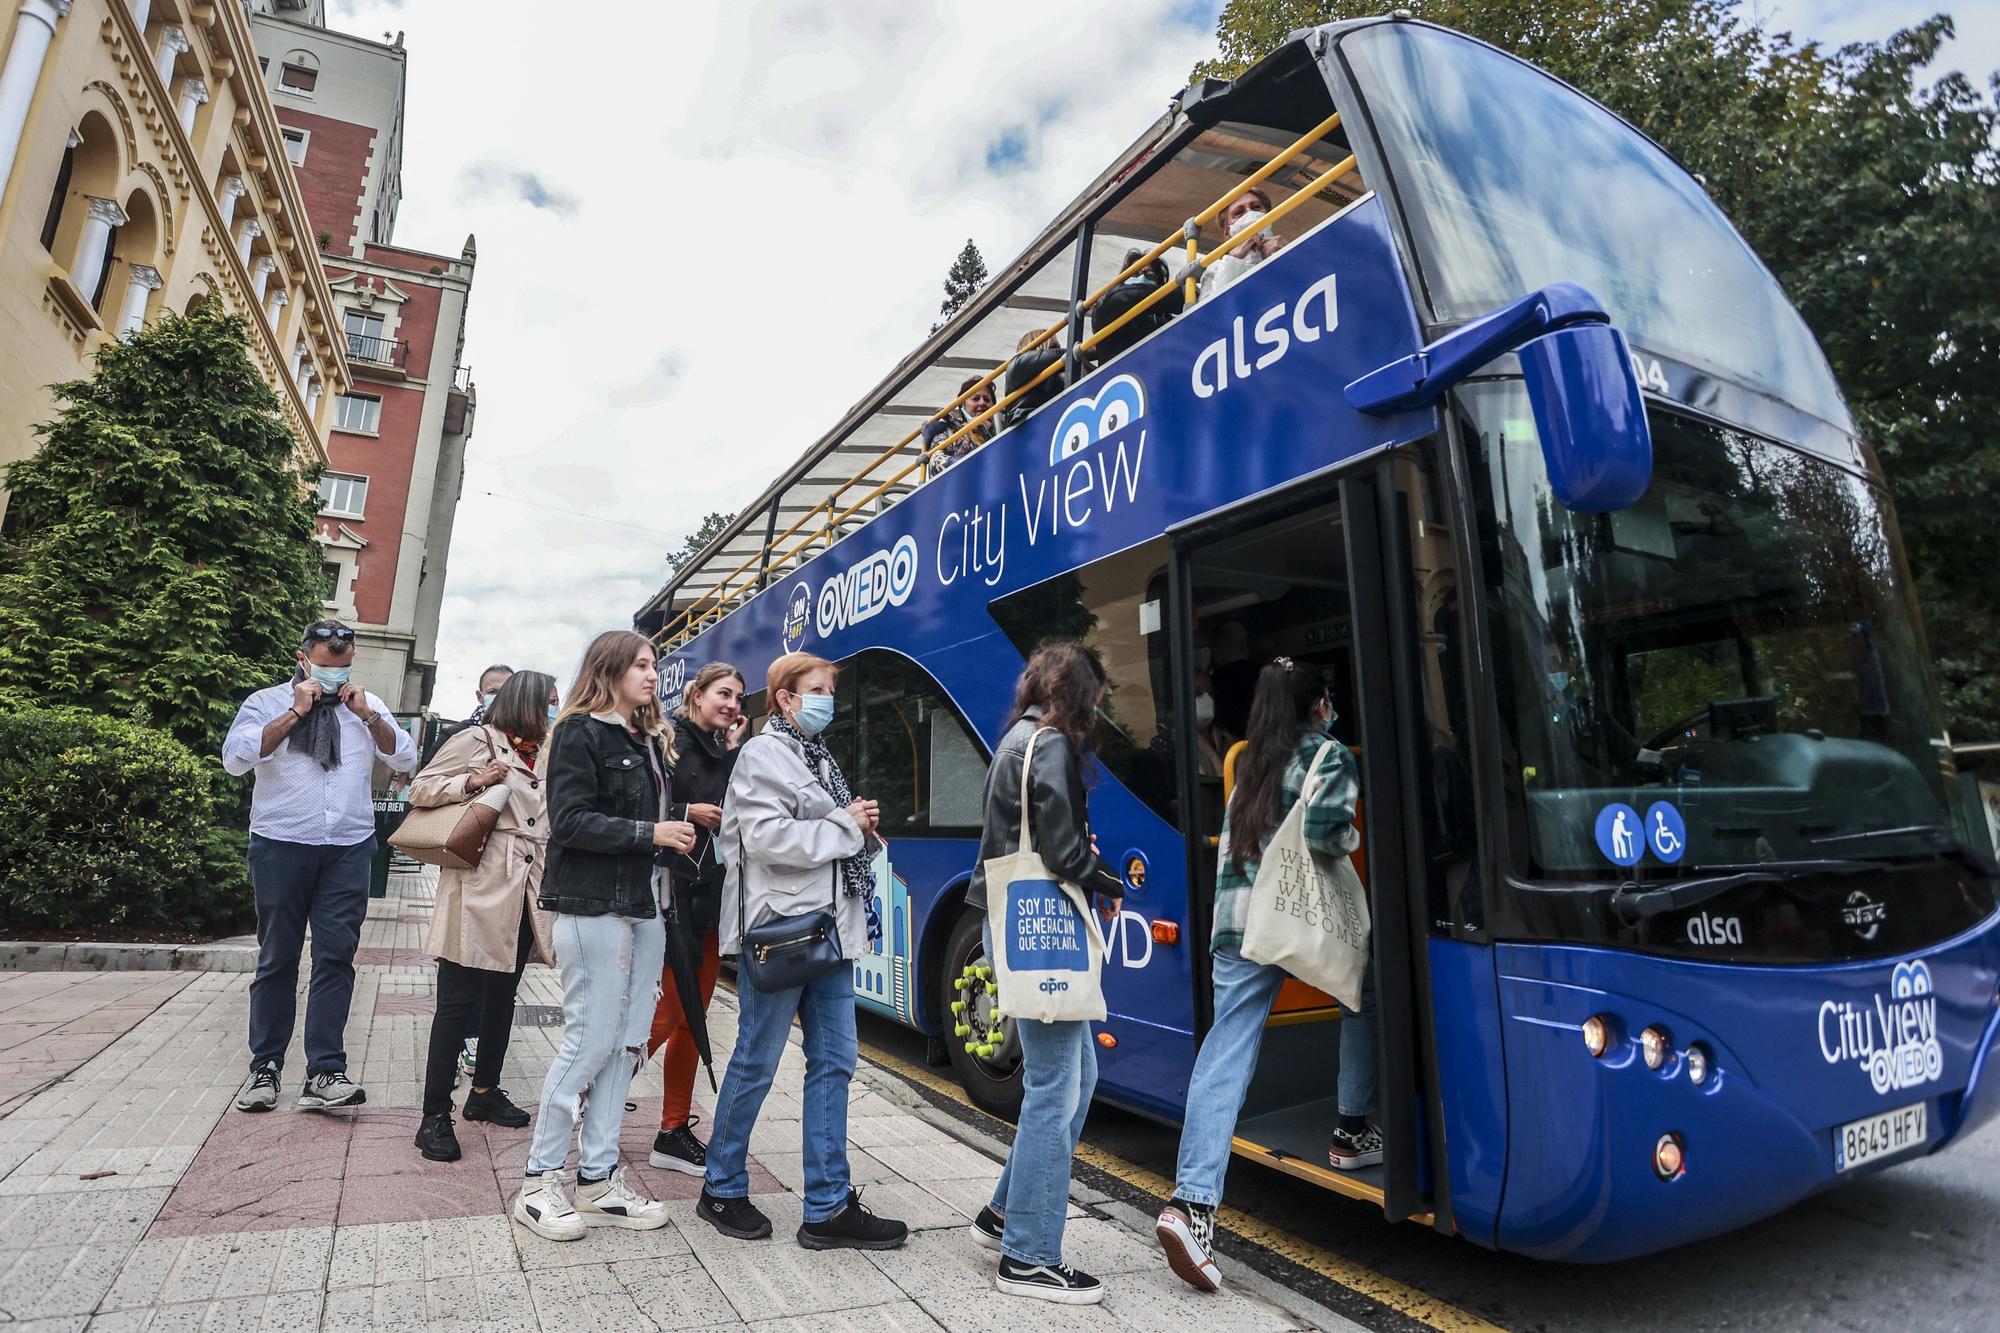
x,y
1649,374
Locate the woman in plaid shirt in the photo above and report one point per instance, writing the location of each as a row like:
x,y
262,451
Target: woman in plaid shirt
x,y
1289,720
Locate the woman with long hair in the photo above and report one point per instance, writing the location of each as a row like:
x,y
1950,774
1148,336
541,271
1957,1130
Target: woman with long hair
x,y
708,726
486,927
795,840
1290,714
1055,704
607,763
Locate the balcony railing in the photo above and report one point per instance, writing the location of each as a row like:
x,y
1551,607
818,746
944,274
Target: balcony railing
x,y
461,378
381,351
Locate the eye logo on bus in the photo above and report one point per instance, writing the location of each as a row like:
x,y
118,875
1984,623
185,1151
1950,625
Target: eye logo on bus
x,y
1087,420
798,614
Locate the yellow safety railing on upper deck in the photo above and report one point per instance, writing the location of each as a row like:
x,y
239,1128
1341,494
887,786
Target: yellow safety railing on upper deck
x,y
726,595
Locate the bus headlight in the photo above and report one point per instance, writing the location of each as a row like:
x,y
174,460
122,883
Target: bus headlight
x,y
1697,1058
1656,1046
1596,1036
1669,1160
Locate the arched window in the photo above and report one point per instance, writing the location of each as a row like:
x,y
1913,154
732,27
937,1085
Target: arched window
x,y
299,73
53,219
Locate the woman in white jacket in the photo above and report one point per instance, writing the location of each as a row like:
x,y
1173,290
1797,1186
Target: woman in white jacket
x,y
795,839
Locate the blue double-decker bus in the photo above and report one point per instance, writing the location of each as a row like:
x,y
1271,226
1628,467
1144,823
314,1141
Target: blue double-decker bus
x,y
1681,911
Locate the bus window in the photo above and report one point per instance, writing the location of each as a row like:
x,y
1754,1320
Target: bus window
x,y
917,755
1116,606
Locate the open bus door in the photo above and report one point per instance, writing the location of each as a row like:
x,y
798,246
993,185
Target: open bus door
x,y
1312,573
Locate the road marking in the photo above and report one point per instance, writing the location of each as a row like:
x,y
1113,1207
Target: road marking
x,y
1404,1300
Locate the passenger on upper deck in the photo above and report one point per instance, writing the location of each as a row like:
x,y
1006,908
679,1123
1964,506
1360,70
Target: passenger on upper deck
x,y
948,424
1021,372
1122,298
1246,213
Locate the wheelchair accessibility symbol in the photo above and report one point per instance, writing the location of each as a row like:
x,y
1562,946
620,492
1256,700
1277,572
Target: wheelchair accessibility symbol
x,y
1666,832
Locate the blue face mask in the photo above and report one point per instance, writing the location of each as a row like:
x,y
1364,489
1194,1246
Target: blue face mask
x,y
815,713
331,678
553,710
1558,681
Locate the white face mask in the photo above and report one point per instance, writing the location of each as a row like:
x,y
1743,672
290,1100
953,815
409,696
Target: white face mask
x,y
1204,709
1247,222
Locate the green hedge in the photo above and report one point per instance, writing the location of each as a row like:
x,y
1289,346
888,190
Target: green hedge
x,y
104,822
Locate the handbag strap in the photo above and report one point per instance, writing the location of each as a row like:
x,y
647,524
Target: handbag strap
x,y
743,873
1027,840
1311,786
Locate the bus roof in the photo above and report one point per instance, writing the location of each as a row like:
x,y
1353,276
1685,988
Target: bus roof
x,y
822,468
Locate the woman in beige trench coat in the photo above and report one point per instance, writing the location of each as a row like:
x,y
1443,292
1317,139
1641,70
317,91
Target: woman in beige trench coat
x,y
486,927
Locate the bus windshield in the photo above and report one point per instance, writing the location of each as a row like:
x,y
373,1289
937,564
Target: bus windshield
x,y
1741,645
1512,181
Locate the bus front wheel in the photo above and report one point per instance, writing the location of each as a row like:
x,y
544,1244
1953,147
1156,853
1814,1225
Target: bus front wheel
x,y
985,1054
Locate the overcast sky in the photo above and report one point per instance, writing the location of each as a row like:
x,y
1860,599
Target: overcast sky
x,y
705,230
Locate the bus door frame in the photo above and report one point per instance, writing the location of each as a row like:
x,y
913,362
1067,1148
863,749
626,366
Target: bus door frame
x,y
1378,578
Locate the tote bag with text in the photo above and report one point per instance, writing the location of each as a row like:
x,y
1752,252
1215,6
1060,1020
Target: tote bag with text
x,y
1308,912
1048,950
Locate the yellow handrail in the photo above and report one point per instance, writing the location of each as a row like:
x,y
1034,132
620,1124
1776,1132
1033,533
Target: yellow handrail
x,y
724,595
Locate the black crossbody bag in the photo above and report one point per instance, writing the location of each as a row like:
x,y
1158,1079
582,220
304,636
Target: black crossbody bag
x,y
792,950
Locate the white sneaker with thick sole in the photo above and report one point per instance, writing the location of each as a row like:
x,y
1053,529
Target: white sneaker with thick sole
x,y
613,1203
1048,1282
544,1208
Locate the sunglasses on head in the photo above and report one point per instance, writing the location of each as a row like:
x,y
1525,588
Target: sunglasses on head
x,y
334,633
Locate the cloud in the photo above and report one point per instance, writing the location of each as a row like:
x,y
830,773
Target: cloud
x,y
487,180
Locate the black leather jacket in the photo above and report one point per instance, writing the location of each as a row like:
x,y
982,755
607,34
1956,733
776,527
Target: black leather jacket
x,y
702,764
1059,821
604,799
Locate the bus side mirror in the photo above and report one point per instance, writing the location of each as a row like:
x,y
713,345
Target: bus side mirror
x,y
1592,421
1588,410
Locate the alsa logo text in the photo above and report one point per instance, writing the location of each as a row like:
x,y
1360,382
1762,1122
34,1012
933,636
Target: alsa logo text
x,y
1894,1039
1228,360
877,582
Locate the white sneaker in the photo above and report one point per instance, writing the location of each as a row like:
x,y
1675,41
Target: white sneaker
x,y
544,1208
1187,1234
323,1092
613,1203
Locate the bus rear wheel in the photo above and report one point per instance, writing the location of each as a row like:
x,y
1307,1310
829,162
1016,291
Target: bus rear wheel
x,y
986,1055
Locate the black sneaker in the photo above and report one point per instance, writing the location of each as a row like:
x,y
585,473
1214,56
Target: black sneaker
x,y
736,1218
1048,1282
494,1106
436,1140
1351,1152
988,1229
679,1150
853,1228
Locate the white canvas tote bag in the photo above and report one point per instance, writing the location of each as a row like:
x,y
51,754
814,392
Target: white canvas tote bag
x,y
1048,949
1308,913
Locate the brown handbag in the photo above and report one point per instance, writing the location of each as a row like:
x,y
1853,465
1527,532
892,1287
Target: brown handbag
x,y
453,836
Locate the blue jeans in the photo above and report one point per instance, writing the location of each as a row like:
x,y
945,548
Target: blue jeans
x,y
611,981
1244,993
1058,1076
825,1009
298,884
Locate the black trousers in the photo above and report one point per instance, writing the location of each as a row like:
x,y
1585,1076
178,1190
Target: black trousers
x,y
462,992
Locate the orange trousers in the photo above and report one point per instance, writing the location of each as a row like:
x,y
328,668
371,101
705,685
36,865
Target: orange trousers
x,y
670,1030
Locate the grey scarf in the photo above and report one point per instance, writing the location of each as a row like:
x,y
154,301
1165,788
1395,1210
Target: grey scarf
x,y
318,733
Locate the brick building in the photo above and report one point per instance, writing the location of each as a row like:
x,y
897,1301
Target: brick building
x,y
396,438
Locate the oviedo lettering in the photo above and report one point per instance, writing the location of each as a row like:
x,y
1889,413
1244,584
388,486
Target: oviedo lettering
x,y
1894,1039
1307,894
1227,360
882,580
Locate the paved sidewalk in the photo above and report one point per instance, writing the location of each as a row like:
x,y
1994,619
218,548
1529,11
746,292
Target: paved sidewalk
x,y
133,1197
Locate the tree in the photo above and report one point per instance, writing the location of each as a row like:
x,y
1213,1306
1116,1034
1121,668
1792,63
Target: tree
x,y
1873,197
966,276
707,531
164,561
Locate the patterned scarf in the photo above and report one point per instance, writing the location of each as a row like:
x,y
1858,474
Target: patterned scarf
x,y
318,733
857,872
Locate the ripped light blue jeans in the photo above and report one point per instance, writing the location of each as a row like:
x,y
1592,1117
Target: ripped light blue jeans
x,y
611,982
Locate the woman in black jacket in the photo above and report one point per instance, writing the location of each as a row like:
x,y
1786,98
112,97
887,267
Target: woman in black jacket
x,y
1056,702
608,768
708,726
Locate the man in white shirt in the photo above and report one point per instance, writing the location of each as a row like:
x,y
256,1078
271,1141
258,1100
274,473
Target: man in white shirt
x,y
312,744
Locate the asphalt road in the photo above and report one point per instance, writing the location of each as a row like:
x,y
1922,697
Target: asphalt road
x,y
1912,1248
